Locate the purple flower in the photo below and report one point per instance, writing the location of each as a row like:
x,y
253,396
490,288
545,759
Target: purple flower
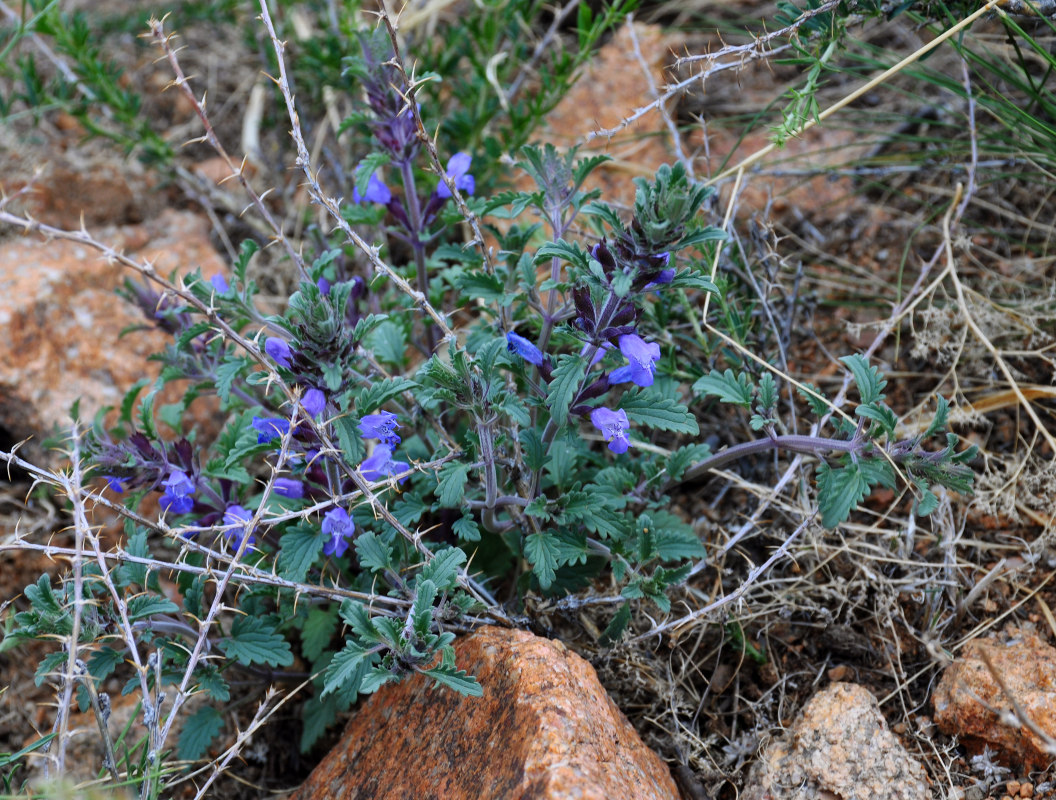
x,y
380,465
613,426
381,426
338,527
269,428
598,355
642,356
289,487
324,286
314,402
220,284
516,343
237,515
278,350
377,192
116,484
178,490
458,171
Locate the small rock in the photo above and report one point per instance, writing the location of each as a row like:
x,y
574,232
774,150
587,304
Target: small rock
x,y
543,729
840,745
62,322
1026,790
968,700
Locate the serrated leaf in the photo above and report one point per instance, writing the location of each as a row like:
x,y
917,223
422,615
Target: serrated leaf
x,y
879,413
868,379
298,549
570,252
941,418
211,681
146,605
317,631
451,489
767,393
348,439
442,569
617,625
255,641
650,409
347,667
381,392
467,530
199,730
480,285
373,553
374,679
389,343
541,550
565,382
814,397
534,450
457,679
839,490
421,613
727,386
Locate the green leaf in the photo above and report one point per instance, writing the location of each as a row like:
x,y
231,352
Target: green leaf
x,y
614,630
317,631
146,605
373,553
348,439
942,416
457,679
868,379
767,393
210,680
541,550
480,285
451,490
839,490
814,397
467,530
347,668
381,392
879,413
570,252
442,569
565,382
199,730
649,409
389,343
298,549
727,386
255,641
421,613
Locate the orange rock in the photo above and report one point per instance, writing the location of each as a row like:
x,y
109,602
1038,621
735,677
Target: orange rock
x,y
968,700
543,729
61,321
839,747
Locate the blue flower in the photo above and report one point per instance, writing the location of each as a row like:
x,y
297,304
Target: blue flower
x,y
324,286
613,426
289,487
278,350
516,343
377,192
220,284
642,356
314,402
380,465
269,428
178,490
381,426
116,484
598,354
236,515
338,527
458,171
